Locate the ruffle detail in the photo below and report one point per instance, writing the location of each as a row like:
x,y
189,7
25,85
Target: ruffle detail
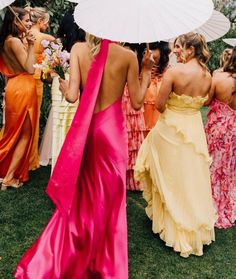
x,y
173,164
184,239
135,128
184,129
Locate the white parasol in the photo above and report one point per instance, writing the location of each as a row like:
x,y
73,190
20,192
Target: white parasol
x,y
230,41
137,21
215,27
5,3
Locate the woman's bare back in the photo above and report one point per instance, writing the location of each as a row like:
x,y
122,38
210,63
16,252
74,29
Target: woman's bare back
x,y
225,88
10,57
192,80
115,73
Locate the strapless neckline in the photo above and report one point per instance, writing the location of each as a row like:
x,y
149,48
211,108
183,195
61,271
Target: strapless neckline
x,y
184,96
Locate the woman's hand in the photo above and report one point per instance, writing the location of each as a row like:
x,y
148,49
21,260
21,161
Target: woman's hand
x,y
147,61
30,38
64,86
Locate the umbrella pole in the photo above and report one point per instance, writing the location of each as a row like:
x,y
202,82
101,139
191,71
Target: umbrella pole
x,y
22,24
147,46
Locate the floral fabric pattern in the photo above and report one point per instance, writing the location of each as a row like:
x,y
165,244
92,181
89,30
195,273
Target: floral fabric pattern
x,y
221,137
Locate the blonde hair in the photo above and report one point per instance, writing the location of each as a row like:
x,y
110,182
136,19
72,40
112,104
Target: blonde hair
x,y
37,13
198,42
225,56
94,43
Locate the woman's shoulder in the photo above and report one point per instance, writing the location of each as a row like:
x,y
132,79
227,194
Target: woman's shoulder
x,y
13,43
44,36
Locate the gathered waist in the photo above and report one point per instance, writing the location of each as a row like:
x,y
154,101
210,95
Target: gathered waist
x,y
183,110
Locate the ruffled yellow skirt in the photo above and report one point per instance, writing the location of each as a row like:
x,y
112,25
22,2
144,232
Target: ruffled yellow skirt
x,y
174,164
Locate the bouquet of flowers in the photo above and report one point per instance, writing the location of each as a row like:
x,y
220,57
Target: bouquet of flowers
x,y
54,59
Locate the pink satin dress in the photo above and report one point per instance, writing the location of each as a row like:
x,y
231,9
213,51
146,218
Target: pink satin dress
x,y
86,238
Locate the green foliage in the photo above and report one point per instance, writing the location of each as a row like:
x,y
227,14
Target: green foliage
x,y
56,9
217,47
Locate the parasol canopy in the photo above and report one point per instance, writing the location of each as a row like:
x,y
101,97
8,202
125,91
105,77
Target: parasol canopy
x,y
137,21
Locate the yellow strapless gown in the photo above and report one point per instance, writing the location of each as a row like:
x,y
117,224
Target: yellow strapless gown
x,y
173,162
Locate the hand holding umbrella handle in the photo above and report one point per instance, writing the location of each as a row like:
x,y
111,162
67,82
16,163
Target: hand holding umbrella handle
x,y
147,61
30,38
19,20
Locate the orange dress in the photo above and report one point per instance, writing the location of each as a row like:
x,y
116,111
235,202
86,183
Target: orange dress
x,y
21,100
151,114
34,157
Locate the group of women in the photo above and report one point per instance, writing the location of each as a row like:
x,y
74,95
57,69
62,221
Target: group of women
x,y
187,174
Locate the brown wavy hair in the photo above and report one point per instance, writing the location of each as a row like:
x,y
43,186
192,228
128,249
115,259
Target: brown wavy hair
x,y
230,65
8,26
198,42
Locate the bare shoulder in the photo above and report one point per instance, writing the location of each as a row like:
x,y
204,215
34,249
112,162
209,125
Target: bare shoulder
x,y
47,37
79,47
123,50
13,41
218,76
175,70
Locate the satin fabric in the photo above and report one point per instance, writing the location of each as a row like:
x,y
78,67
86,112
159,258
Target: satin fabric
x,y
34,157
21,100
87,237
65,175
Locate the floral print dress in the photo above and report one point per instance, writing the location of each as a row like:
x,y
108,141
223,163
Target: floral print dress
x,y
221,137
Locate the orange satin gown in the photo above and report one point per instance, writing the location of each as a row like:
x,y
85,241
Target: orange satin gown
x,y
34,157
21,100
150,113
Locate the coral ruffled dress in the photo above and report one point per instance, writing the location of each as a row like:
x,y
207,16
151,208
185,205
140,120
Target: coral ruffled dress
x,y
135,125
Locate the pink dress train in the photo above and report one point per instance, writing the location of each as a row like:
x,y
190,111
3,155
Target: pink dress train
x,y
135,128
221,138
86,238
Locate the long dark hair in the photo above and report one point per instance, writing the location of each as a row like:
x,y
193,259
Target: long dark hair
x,y
139,49
8,26
165,50
69,32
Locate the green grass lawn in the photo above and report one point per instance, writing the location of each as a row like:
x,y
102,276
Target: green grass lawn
x,y
24,212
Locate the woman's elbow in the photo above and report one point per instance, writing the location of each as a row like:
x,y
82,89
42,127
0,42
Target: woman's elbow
x,y
160,108
30,71
136,105
71,100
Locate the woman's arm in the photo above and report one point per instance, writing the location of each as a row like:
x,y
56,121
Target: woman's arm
x,y
26,58
137,88
211,92
71,89
165,90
